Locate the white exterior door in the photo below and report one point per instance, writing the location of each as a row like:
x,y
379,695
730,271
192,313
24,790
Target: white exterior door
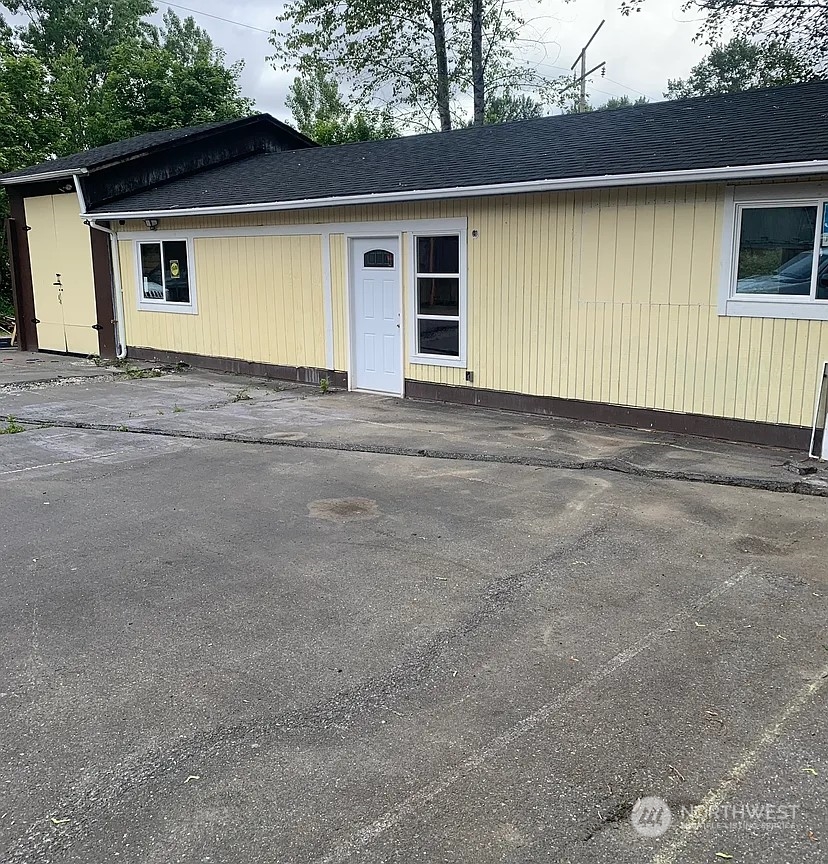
x,y
376,288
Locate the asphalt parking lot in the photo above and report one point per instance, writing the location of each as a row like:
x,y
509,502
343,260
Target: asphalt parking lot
x,y
277,648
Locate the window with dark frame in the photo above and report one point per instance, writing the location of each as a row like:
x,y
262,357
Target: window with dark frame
x,y
437,277
782,251
378,258
165,272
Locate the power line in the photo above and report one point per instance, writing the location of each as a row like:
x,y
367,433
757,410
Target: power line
x,y
634,89
219,18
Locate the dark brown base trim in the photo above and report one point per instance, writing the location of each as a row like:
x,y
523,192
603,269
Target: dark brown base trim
x,y
302,374
748,431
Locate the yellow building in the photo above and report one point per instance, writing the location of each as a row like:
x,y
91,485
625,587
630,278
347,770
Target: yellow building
x,y
671,272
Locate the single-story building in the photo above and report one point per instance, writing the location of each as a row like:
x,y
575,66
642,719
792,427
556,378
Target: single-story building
x,y
660,266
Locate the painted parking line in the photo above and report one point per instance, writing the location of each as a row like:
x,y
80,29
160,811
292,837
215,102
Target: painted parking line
x,y
424,796
62,462
674,850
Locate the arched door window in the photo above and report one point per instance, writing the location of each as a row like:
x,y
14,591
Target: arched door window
x,y
378,258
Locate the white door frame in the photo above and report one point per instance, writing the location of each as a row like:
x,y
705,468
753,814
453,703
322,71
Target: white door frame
x,y
349,287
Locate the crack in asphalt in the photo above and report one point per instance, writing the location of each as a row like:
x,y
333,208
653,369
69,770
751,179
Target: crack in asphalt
x,y
818,488
86,804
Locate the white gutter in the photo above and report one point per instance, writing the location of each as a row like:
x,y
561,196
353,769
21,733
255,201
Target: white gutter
x,y
746,172
46,175
117,288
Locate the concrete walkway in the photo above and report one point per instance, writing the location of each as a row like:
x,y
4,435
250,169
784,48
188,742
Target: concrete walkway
x,y
136,398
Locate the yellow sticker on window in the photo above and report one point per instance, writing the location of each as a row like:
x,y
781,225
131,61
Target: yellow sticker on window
x,y
175,270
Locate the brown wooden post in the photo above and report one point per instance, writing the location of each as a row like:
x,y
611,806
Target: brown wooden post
x,y
21,269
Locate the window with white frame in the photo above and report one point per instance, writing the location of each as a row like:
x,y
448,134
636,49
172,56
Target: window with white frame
x,y
779,257
438,301
164,273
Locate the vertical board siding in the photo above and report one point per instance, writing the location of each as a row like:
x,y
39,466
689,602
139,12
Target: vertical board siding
x,y
259,298
605,295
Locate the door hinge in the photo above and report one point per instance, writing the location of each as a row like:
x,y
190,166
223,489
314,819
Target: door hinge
x,y
97,326
35,320
27,228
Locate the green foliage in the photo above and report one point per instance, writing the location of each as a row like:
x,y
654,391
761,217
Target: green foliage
x,y
508,107
798,24
612,104
12,427
320,112
89,28
389,51
28,126
742,65
615,102
175,77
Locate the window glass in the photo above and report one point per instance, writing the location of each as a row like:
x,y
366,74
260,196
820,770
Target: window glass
x,y
776,250
152,281
438,296
438,254
378,258
176,271
165,271
438,337
822,268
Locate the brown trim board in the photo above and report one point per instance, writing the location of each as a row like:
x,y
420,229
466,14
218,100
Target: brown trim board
x,y
21,273
748,431
102,278
301,374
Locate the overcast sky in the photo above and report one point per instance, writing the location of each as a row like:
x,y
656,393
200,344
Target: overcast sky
x,y
641,51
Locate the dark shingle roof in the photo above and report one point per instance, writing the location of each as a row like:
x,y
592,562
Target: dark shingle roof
x,y
107,154
780,125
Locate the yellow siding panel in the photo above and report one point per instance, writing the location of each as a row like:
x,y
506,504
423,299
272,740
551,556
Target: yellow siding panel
x,y
259,298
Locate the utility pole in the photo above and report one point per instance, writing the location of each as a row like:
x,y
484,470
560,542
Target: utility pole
x,y
581,58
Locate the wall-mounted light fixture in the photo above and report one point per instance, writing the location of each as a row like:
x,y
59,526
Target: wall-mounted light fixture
x,y
152,224
66,187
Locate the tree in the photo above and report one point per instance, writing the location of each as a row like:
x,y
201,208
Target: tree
x,y
802,25
320,112
173,77
112,74
88,72
509,107
615,102
612,104
741,65
92,28
28,126
412,55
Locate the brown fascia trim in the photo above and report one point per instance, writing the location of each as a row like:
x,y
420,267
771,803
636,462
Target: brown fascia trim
x,y
300,374
198,137
22,285
747,431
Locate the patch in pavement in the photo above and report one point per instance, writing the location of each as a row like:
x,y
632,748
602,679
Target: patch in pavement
x,y
343,509
760,546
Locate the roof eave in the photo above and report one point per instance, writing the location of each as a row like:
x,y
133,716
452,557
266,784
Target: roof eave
x,y
65,174
746,172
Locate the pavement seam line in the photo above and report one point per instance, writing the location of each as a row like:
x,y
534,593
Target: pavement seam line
x,y
410,805
701,812
792,487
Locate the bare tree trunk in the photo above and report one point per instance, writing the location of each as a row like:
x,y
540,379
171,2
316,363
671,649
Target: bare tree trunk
x,y
443,103
478,87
